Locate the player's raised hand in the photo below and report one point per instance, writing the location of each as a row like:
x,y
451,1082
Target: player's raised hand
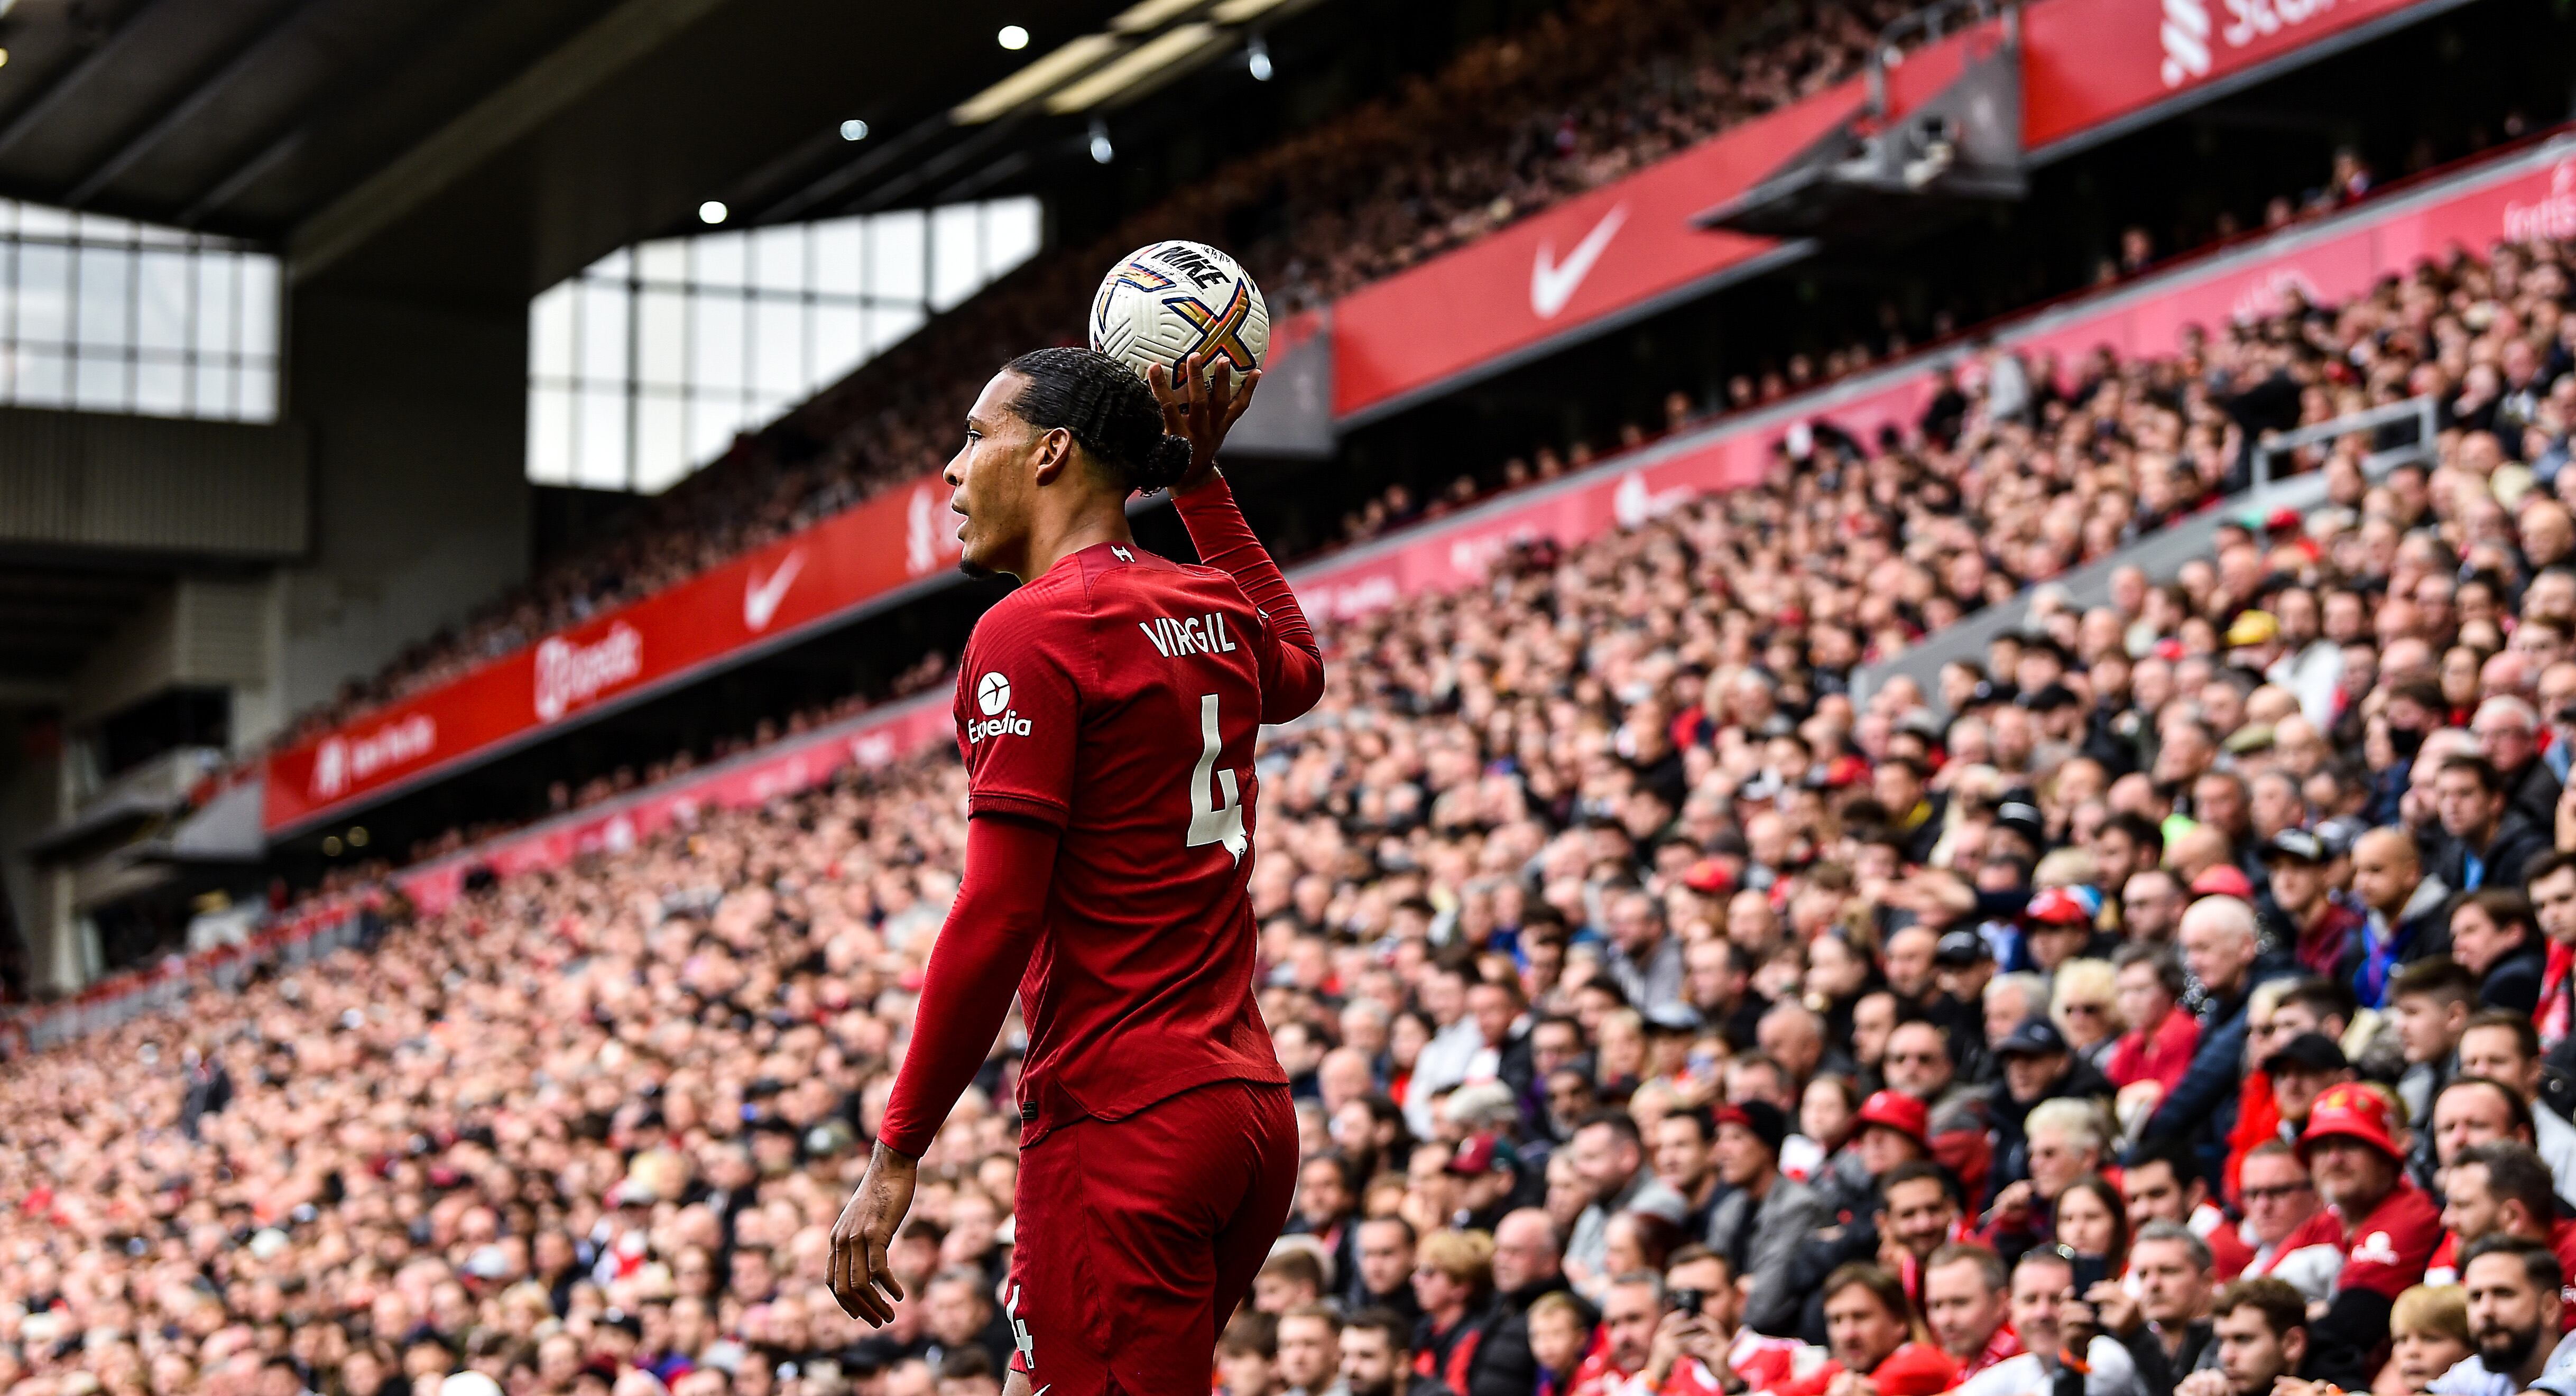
x,y
1202,405
858,1274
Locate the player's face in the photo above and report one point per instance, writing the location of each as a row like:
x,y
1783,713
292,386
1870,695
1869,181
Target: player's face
x,y
991,481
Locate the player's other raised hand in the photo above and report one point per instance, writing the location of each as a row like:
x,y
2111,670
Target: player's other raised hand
x,y
1202,406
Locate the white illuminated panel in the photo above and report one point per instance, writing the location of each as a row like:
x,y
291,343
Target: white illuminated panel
x,y
646,366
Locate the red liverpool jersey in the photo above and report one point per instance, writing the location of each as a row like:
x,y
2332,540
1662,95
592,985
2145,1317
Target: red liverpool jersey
x,y
1117,697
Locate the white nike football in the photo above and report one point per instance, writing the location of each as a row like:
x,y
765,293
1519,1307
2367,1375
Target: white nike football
x,y
1168,300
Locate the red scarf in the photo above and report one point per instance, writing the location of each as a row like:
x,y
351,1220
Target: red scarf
x,y
2005,1343
2552,1019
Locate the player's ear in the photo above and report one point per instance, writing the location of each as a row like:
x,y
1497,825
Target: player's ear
x,y
1054,455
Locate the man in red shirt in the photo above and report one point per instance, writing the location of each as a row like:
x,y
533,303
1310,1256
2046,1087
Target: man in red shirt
x,y
2499,1188
2389,1227
1868,1326
1107,711
2162,1182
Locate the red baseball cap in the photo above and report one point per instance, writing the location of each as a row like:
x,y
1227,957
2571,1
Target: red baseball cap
x,y
2055,906
1900,1112
1709,876
2351,1110
2223,880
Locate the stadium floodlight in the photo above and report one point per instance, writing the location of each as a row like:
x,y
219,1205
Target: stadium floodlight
x,y
1102,152
854,130
1147,15
1238,11
1140,68
1036,80
713,211
1256,56
1012,37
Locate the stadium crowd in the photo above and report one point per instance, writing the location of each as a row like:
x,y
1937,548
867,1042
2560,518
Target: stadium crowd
x,y
2176,1001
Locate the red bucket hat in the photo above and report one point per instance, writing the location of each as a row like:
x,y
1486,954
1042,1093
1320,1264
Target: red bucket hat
x,y
2351,1111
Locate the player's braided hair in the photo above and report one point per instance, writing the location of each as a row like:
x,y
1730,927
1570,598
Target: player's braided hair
x,y
1106,408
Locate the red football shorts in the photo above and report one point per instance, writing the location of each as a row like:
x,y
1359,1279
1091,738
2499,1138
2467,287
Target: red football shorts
x,y
1134,1239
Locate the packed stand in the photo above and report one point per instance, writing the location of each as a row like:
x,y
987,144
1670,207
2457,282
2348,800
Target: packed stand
x,y
2188,1010
1509,127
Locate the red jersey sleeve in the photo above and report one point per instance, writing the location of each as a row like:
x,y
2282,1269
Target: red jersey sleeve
x,y
1019,703
1292,665
975,966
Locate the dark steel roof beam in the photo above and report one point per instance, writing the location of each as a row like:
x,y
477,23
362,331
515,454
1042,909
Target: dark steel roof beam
x,y
546,88
186,109
62,88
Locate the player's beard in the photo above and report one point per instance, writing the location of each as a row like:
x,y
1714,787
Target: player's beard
x,y
975,569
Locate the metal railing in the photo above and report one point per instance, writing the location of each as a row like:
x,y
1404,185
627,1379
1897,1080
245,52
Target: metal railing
x,y
2422,411
2162,553
175,983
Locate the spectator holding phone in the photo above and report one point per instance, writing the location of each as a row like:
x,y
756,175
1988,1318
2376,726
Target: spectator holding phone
x,y
2062,1341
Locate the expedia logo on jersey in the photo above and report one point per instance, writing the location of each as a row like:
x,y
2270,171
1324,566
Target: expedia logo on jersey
x,y
993,695
1009,724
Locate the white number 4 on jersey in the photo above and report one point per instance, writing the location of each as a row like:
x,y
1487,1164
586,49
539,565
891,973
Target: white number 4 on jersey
x,y
1214,820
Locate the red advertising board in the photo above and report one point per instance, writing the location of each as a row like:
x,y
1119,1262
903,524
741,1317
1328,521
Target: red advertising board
x,y
1626,244
800,763
860,557
2529,195
2090,66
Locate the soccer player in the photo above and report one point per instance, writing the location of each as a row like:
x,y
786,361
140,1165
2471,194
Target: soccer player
x,y
1107,711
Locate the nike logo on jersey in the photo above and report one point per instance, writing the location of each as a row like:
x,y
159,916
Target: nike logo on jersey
x,y
1553,283
1189,635
760,597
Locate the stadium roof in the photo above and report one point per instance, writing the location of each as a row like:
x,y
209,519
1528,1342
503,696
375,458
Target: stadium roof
x,y
481,148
